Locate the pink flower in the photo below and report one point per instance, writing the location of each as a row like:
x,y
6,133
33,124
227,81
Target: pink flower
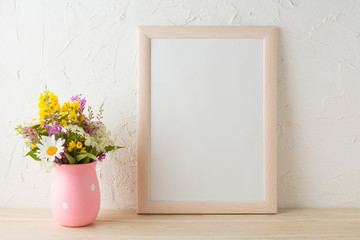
x,y
55,129
74,98
82,103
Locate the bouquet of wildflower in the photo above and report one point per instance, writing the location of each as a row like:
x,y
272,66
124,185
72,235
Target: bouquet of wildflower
x,y
64,135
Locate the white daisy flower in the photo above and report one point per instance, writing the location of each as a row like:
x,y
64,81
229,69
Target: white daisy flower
x,y
50,148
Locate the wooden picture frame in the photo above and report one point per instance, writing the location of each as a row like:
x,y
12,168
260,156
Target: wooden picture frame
x,y
268,203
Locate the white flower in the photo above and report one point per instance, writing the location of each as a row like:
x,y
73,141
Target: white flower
x,y
99,139
50,148
47,165
75,129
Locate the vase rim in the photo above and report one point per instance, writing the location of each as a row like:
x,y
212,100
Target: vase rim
x,y
81,165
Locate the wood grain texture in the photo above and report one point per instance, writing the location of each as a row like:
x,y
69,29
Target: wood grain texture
x,y
144,204
270,118
125,224
143,136
206,32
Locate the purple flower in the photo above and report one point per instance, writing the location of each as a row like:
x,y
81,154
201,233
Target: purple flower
x,y
102,157
30,134
55,129
57,161
82,103
74,98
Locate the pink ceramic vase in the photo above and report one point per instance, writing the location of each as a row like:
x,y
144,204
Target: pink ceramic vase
x,y
75,194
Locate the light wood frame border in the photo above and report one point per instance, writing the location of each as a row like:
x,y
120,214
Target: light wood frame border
x,y
147,206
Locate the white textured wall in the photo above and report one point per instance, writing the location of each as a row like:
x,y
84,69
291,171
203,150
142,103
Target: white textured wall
x,y
89,47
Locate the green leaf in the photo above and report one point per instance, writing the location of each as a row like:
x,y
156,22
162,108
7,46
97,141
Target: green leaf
x,y
86,160
63,117
80,157
83,155
35,126
70,158
33,155
111,148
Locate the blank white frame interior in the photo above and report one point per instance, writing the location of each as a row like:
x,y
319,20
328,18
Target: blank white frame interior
x,y
207,120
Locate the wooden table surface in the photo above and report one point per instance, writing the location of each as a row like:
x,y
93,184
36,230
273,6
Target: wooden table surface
x,y
125,224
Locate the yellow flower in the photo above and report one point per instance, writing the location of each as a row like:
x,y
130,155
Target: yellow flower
x,y
72,112
71,146
65,107
53,98
83,149
33,146
75,105
63,123
43,97
52,108
42,114
82,118
79,145
42,104
73,118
